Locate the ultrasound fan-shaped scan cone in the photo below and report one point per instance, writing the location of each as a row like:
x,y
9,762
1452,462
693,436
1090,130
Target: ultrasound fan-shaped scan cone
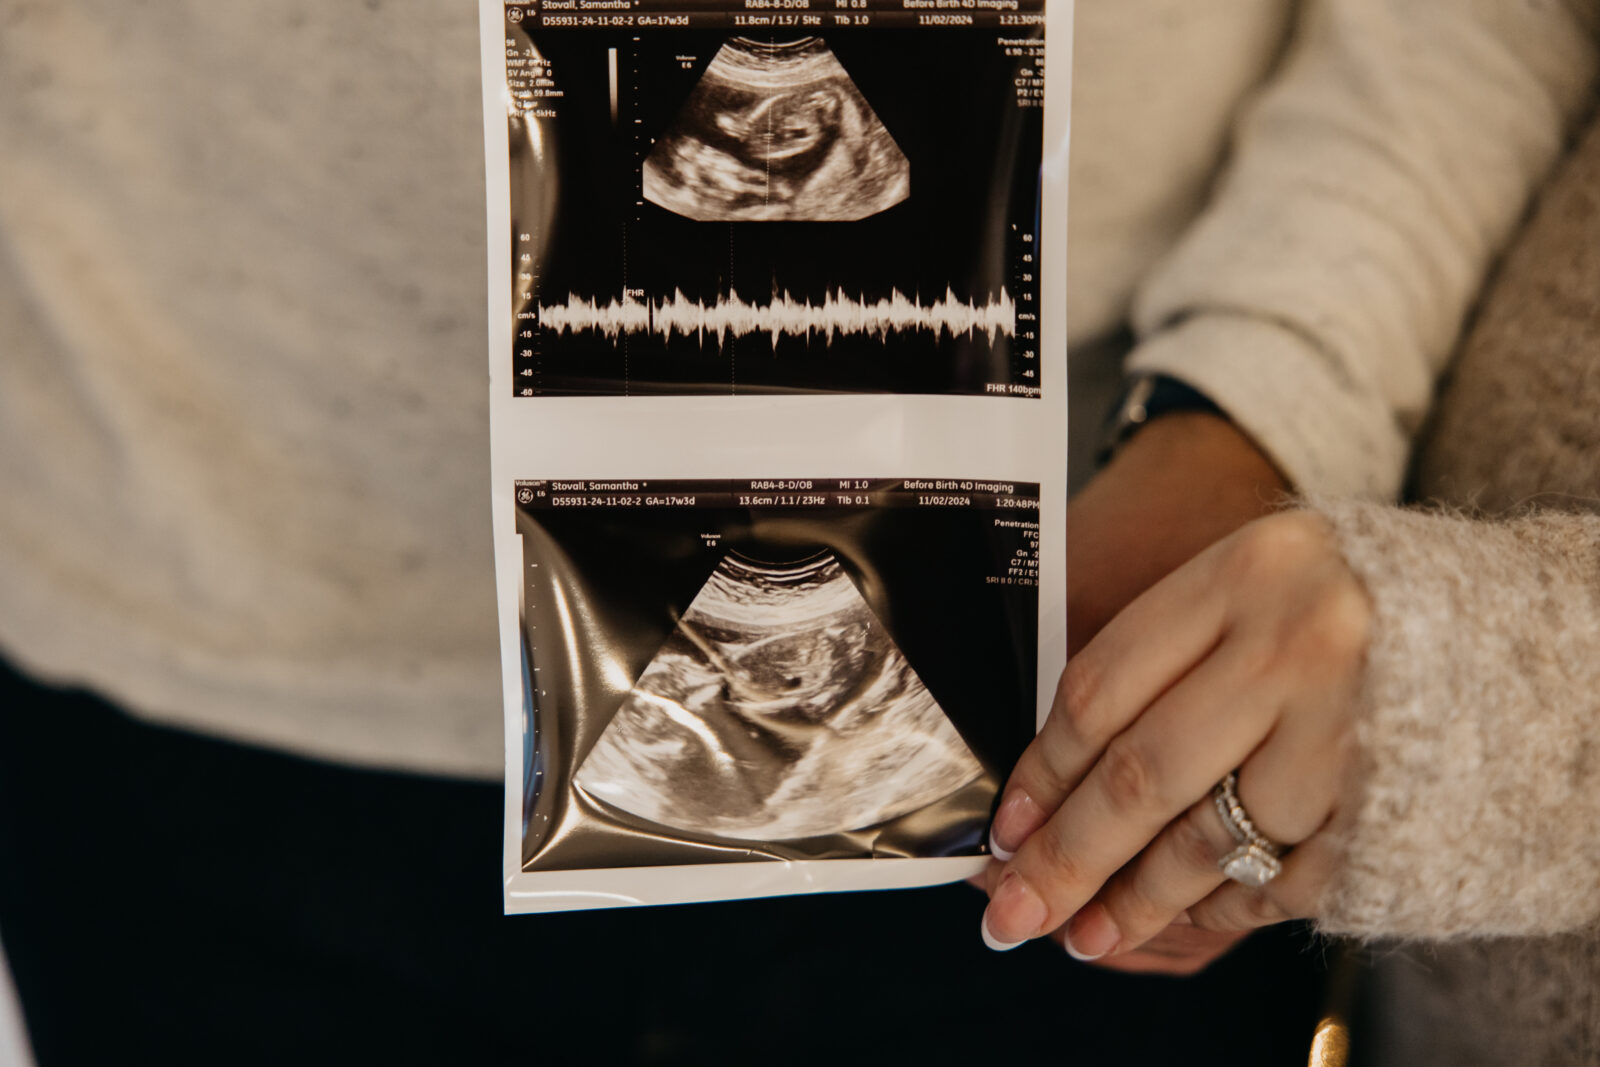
x,y
776,132
779,708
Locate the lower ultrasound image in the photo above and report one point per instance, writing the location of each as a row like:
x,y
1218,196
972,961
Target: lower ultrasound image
x,y
723,674
778,708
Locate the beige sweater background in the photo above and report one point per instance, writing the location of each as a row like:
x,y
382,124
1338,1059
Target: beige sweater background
x,y
1473,842
243,424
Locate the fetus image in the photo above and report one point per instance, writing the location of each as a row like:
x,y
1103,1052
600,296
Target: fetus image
x,y
776,132
779,708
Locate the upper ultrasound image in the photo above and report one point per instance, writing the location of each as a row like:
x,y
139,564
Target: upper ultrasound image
x,y
713,213
776,132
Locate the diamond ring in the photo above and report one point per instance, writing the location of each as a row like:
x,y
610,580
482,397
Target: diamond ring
x,y
1255,862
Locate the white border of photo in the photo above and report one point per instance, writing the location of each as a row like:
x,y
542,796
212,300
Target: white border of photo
x,y
803,436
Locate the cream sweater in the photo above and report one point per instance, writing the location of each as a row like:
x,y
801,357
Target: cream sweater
x,y
243,434
1475,831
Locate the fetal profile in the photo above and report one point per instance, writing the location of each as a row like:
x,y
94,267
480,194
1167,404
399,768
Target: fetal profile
x,y
776,132
780,707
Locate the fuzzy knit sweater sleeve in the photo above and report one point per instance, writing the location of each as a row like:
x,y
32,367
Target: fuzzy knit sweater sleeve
x,y
1478,810
1371,183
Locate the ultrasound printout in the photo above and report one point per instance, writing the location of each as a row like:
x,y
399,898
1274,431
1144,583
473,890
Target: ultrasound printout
x,y
777,402
775,196
772,673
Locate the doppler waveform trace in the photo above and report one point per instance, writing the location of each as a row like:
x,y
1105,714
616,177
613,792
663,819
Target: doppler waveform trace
x,y
837,314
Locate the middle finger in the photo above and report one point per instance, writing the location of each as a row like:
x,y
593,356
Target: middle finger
x,y
1177,869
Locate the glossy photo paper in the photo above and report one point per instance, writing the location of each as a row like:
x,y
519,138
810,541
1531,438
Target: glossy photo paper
x,y
778,408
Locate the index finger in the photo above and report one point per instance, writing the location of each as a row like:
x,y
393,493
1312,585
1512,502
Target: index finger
x,y
1139,655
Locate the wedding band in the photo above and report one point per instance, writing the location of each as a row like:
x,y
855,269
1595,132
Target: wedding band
x,y
1255,862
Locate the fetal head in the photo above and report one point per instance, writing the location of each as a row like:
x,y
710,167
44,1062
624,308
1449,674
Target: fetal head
x,y
802,123
785,131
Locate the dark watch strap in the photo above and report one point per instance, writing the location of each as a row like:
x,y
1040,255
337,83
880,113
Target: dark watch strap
x,y
1147,397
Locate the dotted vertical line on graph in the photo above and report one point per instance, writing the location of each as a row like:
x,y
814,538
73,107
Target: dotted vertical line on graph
x,y
638,170
766,194
625,366
766,199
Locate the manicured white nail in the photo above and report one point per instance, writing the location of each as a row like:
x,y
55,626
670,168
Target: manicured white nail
x,y
1066,943
994,942
1016,820
1095,929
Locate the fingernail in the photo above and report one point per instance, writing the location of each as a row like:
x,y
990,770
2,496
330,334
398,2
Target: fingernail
x,y
1016,820
1091,934
1014,915
993,941
1075,954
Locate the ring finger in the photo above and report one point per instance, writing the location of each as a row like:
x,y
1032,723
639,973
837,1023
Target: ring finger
x,y
1180,867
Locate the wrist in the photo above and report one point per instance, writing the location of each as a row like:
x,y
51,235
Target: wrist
x,y
1147,398
1205,448
1182,482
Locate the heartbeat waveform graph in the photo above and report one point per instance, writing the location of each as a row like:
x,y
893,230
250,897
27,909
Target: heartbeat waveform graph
x,y
838,314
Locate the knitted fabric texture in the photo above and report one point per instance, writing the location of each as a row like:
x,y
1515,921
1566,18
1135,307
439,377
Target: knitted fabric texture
x,y
1477,809
1481,791
1483,732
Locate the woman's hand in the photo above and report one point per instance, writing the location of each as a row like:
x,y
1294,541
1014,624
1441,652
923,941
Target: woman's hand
x,y
1250,657
1181,484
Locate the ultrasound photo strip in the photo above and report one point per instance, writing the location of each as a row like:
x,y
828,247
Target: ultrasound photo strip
x,y
732,244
